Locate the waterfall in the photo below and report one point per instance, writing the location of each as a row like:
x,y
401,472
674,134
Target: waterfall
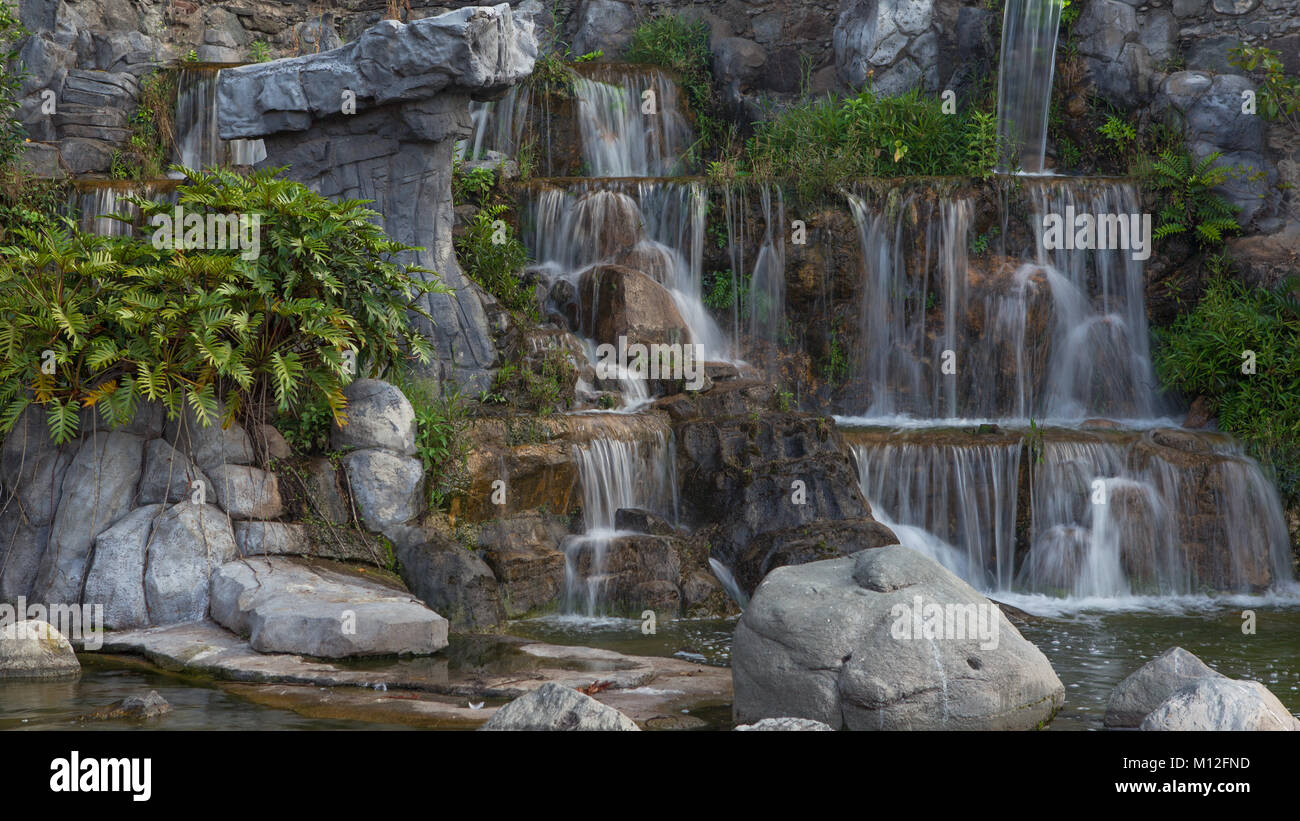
x,y
95,200
654,227
615,474
957,500
198,144
1060,336
1028,61
498,125
631,123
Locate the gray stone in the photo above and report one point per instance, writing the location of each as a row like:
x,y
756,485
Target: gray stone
x,y
1159,34
286,606
188,542
1188,8
86,156
475,50
272,539
387,488
379,416
34,649
267,439
603,25
1235,7
874,33
786,724
1152,683
399,156
246,492
818,641
168,475
313,37
448,578
116,577
97,491
556,707
209,445
324,495
1221,704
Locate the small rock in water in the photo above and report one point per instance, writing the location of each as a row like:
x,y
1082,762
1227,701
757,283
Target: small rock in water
x,y
688,656
132,707
786,724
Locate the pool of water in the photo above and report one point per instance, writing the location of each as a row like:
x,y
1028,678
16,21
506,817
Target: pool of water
x,y
1092,645
196,705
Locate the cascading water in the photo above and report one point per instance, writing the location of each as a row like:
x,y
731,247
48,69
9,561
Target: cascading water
x,y
1028,62
631,123
198,144
615,474
95,202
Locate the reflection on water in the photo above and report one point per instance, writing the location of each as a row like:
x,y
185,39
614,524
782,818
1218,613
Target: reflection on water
x,y
56,705
705,641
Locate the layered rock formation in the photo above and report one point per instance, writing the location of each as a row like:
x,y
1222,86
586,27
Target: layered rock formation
x,y
378,119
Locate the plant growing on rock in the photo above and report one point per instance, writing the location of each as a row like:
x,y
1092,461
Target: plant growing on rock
x,y
1189,204
12,133
682,47
1279,98
493,257
110,322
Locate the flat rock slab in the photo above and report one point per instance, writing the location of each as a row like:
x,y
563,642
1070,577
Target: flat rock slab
x,y
285,605
641,687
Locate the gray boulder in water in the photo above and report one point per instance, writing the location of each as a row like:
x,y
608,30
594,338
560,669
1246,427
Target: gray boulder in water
x,y
556,707
1221,703
1144,690
886,639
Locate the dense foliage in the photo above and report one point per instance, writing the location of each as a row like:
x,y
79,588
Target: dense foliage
x,y
819,144
492,256
12,133
1188,203
1205,353
682,47
89,321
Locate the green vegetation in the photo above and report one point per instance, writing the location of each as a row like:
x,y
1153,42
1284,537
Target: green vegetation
x,y
1120,134
108,322
12,133
1187,201
817,145
539,383
441,423
1204,353
152,130
1279,95
493,257
261,52
552,75
682,47
471,186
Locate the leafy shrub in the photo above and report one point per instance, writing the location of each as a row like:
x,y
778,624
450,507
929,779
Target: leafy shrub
x,y
12,132
819,144
152,130
471,186
1202,354
103,322
493,257
1188,202
1279,98
441,422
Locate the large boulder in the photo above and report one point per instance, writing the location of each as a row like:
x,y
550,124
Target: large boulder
x,y
886,640
169,475
450,579
379,416
31,471
116,577
287,606
34,649
1221,704
97,491
1152,683
387,488
619,302
188,542
630,571
556,707
246,492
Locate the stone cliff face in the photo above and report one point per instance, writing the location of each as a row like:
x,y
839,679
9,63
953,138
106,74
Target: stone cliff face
x,y
378,119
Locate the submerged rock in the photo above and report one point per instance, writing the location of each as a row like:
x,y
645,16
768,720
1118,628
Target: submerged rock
x,y
556,707
1221,704
132,707
833,641
1144,690
34,649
